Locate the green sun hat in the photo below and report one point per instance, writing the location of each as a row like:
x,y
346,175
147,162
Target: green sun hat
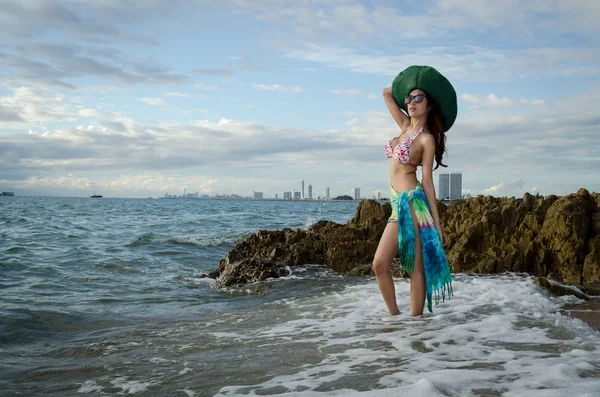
x,y
433,83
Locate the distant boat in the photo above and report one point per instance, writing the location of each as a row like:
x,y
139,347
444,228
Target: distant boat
x,y
95,195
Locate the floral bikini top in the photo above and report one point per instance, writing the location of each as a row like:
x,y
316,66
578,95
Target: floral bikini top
x,y
402,150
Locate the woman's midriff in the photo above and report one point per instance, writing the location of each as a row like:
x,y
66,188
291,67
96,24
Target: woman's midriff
x,y
403,177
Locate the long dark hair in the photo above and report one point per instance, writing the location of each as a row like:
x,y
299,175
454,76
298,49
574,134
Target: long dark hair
x,y
435,125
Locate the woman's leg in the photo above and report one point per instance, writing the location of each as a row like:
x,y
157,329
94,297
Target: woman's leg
x,y
386,251
417,278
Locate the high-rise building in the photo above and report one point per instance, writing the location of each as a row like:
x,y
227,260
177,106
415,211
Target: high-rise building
x,y
379,195
287,195
297,196
276,196
444,187
257,195
309,191
356,193
456,186
327,193
302,189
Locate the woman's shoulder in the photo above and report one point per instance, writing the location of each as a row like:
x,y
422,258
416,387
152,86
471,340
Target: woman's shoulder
x,y
426,138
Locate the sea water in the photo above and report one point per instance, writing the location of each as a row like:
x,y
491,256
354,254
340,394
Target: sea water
x,y
106,297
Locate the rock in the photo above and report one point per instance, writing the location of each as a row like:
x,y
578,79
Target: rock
x,y
552,237
591,264
213,274
559,290
341,247
563,237
596,196
370,213
590,289
583,192
247,271
596,223
528,201
362,270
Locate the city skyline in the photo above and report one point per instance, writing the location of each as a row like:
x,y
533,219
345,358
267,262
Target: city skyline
x,y
285,195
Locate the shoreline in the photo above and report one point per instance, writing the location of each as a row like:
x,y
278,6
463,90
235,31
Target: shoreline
x,y
588,312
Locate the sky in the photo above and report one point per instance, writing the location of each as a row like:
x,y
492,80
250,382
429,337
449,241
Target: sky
x,y
139,99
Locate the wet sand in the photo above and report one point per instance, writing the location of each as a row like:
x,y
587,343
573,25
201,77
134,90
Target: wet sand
x,y
588,311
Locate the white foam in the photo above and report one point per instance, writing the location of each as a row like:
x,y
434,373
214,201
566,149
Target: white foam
x,y
498,334
200,280
89,386
190,393
212,241
131,387
310,221
159,361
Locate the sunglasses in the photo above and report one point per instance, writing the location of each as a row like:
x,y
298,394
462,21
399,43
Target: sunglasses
x,y
418,98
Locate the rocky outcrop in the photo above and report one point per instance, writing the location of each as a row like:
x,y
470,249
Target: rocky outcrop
x,y
559,290
248,271
553,237
344,248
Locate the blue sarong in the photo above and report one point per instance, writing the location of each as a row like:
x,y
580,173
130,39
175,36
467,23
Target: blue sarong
x,y
438,279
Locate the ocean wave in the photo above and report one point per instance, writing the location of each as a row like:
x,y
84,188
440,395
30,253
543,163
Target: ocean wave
x,y
123,267
16,250
215,241
144,239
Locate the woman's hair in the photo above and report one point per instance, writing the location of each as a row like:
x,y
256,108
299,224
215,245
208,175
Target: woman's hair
x,y
435,125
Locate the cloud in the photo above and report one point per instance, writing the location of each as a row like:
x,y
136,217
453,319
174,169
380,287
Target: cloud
x,y
224,73
534,102
179,94
149,183
354,93
561,16
493,100
276,87
126,144
504,189
89,113
532,150
152,101
460,63
29,106
10,115
206,86
30,19
51,64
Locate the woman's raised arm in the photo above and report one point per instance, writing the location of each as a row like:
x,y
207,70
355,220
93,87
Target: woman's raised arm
x,y
401,118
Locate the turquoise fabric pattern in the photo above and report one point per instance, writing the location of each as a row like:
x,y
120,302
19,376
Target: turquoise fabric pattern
x,y
438,279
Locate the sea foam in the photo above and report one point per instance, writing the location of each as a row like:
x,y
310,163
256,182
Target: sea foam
x,y
498,335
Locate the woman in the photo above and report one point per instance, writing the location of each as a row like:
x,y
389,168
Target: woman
x,y
414,231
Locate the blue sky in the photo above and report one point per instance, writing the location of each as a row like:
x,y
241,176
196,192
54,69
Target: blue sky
x,y
136,100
